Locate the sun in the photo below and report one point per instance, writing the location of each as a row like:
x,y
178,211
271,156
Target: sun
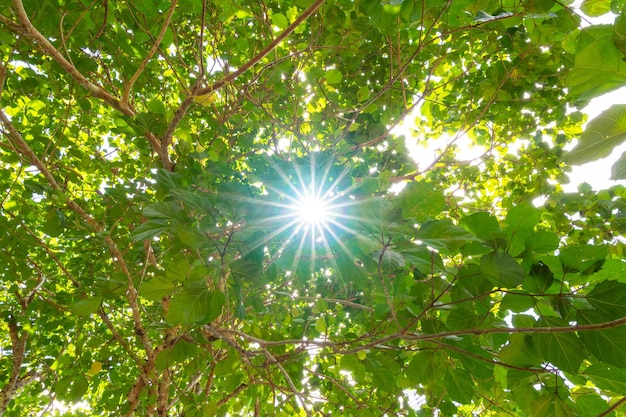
x,y
313,211
309,202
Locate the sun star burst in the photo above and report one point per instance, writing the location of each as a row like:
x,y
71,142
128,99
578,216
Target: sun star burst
x,y
313,211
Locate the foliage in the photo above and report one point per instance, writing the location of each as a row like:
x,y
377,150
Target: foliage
x,y
152,152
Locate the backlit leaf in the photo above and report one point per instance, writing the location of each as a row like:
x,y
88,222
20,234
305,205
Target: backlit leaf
x,y
601,136
195,306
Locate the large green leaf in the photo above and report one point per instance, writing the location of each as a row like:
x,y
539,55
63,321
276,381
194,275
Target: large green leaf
x,y
609,297
563,350
86,306
195,305
421,201
482,224
156,288
442,235
150,229
501,270
598,65
608,345
519,351
551,405
600,137
607,377
389,260
459,385
580,258
595,8
618,170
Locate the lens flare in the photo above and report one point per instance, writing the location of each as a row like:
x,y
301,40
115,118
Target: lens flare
x,y
312,211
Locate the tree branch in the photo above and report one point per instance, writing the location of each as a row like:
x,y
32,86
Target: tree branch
x,y
184,106
18,346
150,54
27,29
131,293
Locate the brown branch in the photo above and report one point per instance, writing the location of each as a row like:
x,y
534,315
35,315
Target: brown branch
x,y
155,47
292,386
426,337
131,294
614,407
133,396
18,346
27,29
184,106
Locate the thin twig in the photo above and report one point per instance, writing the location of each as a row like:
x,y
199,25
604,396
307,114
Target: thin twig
x,y
155,47
184,106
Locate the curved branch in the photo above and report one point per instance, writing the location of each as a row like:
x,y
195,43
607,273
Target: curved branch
x,y
151,53
184,106
27,29
131,294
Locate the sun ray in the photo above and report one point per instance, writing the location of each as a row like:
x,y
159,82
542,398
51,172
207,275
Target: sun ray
x,y
309,212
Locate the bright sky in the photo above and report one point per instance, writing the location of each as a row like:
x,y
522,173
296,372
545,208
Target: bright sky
x,y
597,173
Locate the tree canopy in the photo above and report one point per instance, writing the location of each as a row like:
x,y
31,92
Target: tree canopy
x,y
208,208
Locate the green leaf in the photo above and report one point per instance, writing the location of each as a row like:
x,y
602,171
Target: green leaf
x,y
86,306
618,170
607,377
191,237
601,136
333,76
542,277
595,8
177,269
384,371
166,210
598,65
390,260
482,225
582,257
280,20
442,235
551,405
195,305
612,269
608,345
246,270
149,230
462,318
563,350
522,218
538,6
421,201
517,302
459,385
519,352
501,270
156,288
592,405
363,93
542,242
609,297
54,222
320,325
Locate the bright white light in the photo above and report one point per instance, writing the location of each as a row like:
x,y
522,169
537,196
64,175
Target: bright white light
x,y
313,211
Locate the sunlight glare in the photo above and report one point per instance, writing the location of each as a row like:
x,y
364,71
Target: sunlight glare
x,y
312,211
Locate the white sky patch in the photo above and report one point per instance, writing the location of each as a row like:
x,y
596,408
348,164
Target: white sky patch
x,y
597,173
424,151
